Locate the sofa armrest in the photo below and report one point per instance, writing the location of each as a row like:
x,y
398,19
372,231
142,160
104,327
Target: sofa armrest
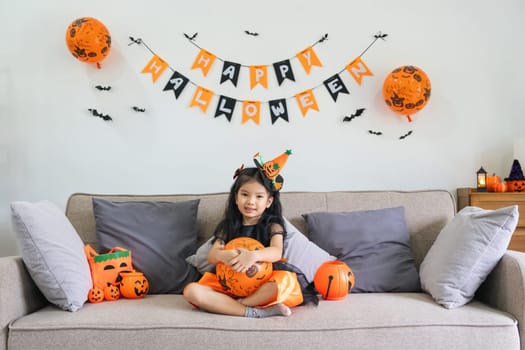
x,y
504,288
19,295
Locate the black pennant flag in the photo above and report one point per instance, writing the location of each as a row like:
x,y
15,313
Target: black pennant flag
x,y
230,71
283,70
177,83
225,106
278,110
335,86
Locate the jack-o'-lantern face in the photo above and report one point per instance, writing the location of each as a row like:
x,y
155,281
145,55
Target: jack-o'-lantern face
x,y
111,292
133,285
516,185
95,295
271,169
334,280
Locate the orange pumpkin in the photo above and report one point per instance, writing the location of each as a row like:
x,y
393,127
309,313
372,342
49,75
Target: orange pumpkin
x,y
95,295
406,90
133,285
88,40
112,292
244,283
500,187
492,180
334,280
516,186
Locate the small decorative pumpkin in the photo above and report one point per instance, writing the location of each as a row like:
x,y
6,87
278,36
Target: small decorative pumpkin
x,y
95,295
334,280
133,285
112,292
244,283
500,187
492,180
516,186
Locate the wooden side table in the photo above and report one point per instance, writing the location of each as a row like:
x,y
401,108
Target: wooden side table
x,y
495,200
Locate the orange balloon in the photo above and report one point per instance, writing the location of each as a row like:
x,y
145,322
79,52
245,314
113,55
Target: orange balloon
x,y
88,40
406,90
244,283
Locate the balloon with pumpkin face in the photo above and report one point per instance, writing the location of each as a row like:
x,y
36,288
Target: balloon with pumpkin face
x,y
406,90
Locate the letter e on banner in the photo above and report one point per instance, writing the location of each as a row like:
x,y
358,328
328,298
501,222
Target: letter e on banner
x,y
306,100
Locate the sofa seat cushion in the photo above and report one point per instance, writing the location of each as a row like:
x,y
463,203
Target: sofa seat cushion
x,y
387,320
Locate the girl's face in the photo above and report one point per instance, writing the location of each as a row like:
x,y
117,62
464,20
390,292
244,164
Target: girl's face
x,y
252,199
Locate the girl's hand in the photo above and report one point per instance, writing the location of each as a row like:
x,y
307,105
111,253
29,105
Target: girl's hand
x,y
226,255
244,260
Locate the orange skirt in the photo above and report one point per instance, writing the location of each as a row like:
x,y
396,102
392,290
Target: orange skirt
x,y
288,288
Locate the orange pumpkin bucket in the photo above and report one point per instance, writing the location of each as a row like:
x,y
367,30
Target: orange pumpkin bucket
x,y
334,280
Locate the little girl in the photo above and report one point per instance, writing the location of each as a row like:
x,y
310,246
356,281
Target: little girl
x,y
253,210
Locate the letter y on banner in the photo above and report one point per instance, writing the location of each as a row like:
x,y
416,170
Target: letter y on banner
x,y
156,66
308,59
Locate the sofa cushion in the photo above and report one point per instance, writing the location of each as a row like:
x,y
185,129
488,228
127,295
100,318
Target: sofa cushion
x,y
373,243
465,252
160,236
53,253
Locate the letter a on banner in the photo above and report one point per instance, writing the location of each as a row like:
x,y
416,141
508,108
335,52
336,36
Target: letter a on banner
x,y
177,83
156,66
204,61
278,110
230,71
306,100
258,75
251,110
202,98
308,59
357,69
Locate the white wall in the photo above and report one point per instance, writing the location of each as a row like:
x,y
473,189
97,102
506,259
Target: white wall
x,y
50,146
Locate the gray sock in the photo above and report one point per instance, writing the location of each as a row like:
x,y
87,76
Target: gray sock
x,y
274,310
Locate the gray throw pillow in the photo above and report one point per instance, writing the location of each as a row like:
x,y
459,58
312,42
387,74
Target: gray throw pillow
x,y
160,236
53,253
373,243
200,258
465,252
303,253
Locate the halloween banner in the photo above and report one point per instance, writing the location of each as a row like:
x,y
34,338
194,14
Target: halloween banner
x,y
251,109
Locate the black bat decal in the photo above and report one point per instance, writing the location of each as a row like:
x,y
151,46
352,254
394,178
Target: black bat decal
x,y
103,88
137,109
358,112
323,38
95,113
134,41
405,135
251,33
375,132
191,37
380,35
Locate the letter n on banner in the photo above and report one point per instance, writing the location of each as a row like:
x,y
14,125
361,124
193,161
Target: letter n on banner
x,y
202,98
308,59
225,106
156,66
251,110
306,101
278,110
204,61
177,83
357,69
335,86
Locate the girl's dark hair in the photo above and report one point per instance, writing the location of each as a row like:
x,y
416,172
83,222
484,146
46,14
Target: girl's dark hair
x,y
230,226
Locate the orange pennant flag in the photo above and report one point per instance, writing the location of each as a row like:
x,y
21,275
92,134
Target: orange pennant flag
x,y
306,100
258,75
204,61
357,69
202,98
156,66
251,110
308,58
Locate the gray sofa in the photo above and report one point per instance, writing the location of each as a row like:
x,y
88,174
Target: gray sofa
x,y
494,320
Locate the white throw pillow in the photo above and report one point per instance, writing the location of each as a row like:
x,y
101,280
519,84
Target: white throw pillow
x,y
53,253
466,250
